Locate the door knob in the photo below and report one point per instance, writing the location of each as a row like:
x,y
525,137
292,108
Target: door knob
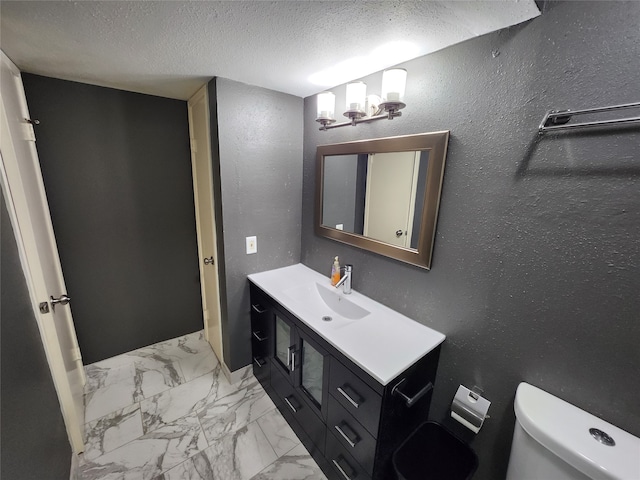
x,y
208,261
398,233
64,299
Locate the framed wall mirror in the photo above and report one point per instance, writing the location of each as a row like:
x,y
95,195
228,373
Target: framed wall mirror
x,y
382,195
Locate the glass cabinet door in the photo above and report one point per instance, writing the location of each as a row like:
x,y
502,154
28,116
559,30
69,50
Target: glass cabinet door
x,y
311,377
283,342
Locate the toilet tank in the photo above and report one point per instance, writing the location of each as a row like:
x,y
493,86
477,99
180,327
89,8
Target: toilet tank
x,y
555,440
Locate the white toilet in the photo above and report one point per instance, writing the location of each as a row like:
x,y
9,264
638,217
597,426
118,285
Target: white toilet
x,y
554,440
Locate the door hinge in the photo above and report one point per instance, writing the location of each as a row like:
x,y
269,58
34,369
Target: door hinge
x,y
194,145
29,132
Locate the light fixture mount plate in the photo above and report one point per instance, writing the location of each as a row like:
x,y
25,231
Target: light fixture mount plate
x,y
392,106
325,120
357,114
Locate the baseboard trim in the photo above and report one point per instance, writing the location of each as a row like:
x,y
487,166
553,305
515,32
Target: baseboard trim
x,y
237,375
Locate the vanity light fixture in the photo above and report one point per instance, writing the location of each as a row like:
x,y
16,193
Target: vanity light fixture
x,y
356,97
362,108
326,107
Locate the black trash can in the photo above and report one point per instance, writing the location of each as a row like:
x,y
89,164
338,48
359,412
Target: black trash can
x,y
434,453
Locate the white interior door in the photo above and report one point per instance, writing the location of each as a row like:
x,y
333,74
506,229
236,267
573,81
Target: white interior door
x,y
390,197
27,204
205,217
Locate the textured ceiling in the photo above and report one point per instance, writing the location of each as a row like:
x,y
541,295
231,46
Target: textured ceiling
x,y
171,48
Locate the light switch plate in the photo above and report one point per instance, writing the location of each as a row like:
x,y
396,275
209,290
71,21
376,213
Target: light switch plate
x,y
252,245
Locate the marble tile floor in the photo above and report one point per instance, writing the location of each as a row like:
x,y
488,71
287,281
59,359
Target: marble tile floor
x,y
167,412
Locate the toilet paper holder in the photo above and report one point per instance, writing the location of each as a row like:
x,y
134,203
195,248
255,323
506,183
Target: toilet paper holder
x,y
470,408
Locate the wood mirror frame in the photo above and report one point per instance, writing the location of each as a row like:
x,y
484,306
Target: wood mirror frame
x,y
436,143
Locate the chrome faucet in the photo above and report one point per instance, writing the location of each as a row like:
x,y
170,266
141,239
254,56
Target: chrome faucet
x,y
345,281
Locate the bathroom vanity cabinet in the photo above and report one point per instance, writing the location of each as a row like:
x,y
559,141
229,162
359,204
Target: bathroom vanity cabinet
x,y
350,422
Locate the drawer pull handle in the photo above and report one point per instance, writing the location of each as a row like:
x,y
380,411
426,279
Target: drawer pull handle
x,y
341,470
293,360
257,308
410,401
295,410
257,335
351,443
257,361
346,395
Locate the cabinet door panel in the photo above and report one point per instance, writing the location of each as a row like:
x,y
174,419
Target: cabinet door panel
x,y
283,343
313,373
311,425
312,364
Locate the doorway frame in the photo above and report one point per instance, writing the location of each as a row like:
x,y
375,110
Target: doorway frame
x,y
21,220
203,95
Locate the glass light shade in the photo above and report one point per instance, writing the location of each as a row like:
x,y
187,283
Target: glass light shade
x,y
393,85
326,105
356,94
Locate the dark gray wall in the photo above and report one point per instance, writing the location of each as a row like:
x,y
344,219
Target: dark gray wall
x,y
117,171
33,437
259,158
535,269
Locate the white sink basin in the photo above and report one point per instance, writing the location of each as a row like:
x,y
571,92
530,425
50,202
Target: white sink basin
x,y
327,301
384,343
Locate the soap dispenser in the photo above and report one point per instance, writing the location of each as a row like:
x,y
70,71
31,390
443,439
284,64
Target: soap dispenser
x,y
335,272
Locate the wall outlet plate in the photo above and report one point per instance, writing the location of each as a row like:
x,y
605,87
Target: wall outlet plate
x,y
252,245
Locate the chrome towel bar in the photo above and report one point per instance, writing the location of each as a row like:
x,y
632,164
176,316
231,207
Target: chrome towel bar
x,y
558,119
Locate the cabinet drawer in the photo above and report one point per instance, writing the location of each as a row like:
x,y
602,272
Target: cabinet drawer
x,y
353,437
259,309
261,337
311,424
343,464
259,321
260,348
260,334
355,396
261,363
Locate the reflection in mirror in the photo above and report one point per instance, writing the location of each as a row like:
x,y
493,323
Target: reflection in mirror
x,y
378,195
383,194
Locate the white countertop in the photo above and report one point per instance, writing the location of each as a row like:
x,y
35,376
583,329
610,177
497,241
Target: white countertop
x,y
383,343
